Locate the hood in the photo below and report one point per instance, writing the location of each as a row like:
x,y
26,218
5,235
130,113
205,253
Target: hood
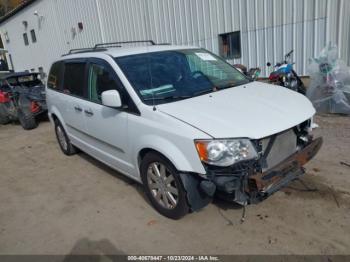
x,y
254,110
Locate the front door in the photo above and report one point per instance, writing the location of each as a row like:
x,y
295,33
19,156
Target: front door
x,y
106,127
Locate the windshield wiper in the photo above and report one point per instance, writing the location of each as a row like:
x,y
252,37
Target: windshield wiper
x,y
214,89
203,92
174,97
198,93
233,85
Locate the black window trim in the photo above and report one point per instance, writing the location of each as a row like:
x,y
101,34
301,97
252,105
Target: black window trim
x,y
101,62
132,108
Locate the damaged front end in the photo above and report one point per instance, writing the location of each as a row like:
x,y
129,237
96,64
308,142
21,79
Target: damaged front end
x,y
280,160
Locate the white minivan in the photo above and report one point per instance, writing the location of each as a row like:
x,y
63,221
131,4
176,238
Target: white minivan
x,y
181,121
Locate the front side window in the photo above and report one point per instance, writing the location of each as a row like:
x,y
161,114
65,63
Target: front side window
x,y
166,76
100,79
74,79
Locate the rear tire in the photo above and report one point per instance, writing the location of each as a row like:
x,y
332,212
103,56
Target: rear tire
x,y
27,120
66,146
163,186
4,118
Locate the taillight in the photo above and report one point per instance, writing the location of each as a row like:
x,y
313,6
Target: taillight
x,y
34,107
4,97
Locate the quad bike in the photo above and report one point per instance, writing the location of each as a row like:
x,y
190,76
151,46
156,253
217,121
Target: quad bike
x,y
284,75
22,98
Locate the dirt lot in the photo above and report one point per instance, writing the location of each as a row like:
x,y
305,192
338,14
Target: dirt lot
x,y
53,204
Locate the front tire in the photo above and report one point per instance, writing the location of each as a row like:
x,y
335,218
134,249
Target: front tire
x,y
63,140
163,186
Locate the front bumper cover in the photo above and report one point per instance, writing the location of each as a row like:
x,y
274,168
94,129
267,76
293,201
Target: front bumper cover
x,y
249,188
279,176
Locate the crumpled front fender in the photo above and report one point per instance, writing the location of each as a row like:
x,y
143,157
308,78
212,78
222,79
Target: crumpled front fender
x,y
196,198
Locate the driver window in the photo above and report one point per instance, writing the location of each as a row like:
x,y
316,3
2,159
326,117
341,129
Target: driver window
x,y
100,80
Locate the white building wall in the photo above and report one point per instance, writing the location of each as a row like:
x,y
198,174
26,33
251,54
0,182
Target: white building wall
x,y
269,28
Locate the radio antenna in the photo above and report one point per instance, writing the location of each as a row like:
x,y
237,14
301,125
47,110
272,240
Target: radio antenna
x,y
147,24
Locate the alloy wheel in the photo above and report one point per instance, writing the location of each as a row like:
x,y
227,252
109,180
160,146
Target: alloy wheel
x,y
162,185
62,138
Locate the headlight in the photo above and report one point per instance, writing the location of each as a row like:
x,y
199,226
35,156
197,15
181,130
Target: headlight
x,y
225,152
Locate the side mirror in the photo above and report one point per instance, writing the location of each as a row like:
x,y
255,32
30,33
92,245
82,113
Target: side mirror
x,y
111,98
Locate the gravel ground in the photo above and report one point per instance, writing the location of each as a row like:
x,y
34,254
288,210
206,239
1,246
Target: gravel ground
x,y
54,204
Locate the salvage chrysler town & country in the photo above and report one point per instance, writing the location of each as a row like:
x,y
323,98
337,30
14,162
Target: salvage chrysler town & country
x,y
181,121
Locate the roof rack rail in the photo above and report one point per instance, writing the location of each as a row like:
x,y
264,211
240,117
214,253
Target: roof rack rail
x,y
113,44
83,50
104,46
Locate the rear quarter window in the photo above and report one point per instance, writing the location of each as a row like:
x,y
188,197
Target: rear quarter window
x,y
54,80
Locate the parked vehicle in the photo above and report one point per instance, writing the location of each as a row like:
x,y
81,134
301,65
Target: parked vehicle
x,y
283,74
252,73
181,121
22,98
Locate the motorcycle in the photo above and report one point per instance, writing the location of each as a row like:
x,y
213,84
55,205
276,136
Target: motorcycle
x,y
283,74
22,98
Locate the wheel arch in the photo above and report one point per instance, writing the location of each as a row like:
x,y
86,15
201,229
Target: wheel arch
x,y
54,115
170,151
143,152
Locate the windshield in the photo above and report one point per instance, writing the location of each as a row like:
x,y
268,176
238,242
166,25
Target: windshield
x,y
167,76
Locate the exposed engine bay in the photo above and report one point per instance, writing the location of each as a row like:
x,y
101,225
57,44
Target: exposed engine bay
x,y
281,159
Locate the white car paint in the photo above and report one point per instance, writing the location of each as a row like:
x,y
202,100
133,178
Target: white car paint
x,y
254,110
116,138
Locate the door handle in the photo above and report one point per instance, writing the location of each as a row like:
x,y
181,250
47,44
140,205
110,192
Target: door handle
x,y
78,109
89,112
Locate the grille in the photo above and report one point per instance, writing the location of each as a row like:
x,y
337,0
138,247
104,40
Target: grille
x,y
285,145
